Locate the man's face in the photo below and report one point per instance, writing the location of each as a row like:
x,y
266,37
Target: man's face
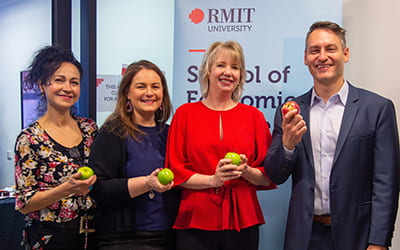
x,y
325,57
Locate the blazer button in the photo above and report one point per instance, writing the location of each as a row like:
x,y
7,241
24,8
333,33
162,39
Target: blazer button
x,y
311,190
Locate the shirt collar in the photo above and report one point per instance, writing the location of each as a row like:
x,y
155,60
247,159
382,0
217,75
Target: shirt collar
x,y
341,95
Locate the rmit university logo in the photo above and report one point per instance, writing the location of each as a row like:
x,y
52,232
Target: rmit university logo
x,y
196,16
225,20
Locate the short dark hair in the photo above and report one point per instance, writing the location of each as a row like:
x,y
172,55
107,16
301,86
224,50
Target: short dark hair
x,y
327,25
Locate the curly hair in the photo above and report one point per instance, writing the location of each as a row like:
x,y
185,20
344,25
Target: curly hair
x,y
46,61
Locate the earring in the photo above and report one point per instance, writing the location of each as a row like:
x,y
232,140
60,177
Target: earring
x,y
161,113
128,107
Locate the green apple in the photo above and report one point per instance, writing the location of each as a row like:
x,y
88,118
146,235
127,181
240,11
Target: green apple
x,y
165,176
86,172
235,157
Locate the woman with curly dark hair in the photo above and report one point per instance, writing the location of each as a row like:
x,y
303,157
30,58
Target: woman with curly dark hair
x,y
48,154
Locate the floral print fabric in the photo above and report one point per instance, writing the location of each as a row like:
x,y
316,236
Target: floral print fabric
x,y
42,164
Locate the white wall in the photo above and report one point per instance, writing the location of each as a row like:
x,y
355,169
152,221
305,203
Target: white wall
x,y
373,38
25,26
129,31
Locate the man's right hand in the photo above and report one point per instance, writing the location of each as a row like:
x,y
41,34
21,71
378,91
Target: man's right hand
x,y
293,127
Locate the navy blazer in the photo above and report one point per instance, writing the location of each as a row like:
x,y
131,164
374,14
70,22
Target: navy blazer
x,y
364,182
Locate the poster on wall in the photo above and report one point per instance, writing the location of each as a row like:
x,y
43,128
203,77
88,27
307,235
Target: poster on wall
x,y
272,35
107,92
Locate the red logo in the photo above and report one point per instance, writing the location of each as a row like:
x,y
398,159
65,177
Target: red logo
x,y
99,81
196,16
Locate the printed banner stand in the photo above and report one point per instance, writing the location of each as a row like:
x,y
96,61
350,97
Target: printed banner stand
x,y
272,35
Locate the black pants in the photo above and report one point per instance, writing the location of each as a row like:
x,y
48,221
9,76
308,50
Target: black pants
x,y
60,236
321,237
195,239
137,240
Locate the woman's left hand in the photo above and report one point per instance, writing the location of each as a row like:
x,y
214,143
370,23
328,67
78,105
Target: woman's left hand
x,y
243,167
154,184
78,186
252,175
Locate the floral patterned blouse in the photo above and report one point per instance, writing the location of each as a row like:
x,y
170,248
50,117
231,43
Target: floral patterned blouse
x,y
42,164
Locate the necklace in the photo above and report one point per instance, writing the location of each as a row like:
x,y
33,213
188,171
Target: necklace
x,y
151,194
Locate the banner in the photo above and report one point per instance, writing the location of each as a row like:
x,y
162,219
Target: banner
x,y
272,35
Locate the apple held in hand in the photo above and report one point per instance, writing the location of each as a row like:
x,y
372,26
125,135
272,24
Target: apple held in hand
x,y
235,157
165,176
290,105
86,172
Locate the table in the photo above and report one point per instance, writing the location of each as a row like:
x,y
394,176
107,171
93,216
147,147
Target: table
x,y
11,225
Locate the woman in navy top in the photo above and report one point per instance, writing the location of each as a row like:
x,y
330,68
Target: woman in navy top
x,y
134,209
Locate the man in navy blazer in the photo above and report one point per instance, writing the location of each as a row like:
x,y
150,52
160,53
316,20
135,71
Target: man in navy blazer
x,y
342,152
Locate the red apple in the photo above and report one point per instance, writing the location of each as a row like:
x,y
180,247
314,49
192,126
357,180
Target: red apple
x,y
86,172
165,176
290,105
235,157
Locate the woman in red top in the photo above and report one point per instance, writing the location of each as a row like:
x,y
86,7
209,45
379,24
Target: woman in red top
x,y
219,207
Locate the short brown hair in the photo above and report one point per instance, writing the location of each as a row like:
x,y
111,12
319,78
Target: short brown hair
x,y
327,25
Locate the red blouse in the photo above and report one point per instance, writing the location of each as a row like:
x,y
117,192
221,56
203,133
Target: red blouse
x,y
196,144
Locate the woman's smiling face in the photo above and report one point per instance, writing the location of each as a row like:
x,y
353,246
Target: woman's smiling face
x,y
145,93
63,88
224,73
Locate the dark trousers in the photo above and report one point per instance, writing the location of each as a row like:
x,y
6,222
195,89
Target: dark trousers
x,y
195,239
321,237
58,236
137,240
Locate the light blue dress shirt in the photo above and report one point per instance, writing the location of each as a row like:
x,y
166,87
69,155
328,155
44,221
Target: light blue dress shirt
x,y
325,122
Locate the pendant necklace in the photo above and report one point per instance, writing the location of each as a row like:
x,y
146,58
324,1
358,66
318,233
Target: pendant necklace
x,y
151,194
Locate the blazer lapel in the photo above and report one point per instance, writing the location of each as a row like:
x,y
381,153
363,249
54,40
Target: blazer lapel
x,y
349,115
304,102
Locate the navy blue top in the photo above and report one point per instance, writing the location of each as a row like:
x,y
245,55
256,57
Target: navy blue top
x,y
144,157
